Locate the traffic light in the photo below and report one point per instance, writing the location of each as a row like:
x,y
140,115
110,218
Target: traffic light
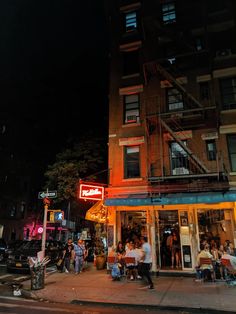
x,y
58,216
55,215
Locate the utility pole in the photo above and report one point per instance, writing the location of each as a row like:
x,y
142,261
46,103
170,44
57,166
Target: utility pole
x,y
46,202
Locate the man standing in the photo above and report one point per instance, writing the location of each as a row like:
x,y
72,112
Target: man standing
x,y
146,261
68,254
79,251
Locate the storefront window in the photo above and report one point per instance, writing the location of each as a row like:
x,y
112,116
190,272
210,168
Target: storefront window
x,y
214,226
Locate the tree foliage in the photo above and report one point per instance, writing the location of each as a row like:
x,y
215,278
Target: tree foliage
x,y
83,160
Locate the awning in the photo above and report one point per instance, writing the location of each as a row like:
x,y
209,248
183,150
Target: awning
x,y
98,213
175,199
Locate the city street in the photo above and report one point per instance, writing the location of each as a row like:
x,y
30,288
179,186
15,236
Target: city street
x,y
8,279
14,305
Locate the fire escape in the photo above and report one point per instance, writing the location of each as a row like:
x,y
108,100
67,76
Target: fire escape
x,y
199,175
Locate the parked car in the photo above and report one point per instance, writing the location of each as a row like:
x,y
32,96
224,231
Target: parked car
x,y
13,246
18,259
3,248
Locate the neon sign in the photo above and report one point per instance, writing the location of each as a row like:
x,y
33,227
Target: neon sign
x,y
91,192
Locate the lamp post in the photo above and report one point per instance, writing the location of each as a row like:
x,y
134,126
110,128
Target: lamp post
x,y
46,202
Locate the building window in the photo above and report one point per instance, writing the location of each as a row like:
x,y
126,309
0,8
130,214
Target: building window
x,y
232,151
204,91
132,162
211,149
198,44
130,21
175,99
130,62
131,108
179,159
228,93
168,13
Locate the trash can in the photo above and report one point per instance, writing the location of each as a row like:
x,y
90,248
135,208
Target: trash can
x,y
37,277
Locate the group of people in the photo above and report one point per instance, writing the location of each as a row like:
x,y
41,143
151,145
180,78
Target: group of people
x,y
140,267
73,257
170,250
215,253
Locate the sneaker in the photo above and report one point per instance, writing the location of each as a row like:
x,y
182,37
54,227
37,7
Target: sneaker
x,y
66,271
145,287
139,277
131,277
151,287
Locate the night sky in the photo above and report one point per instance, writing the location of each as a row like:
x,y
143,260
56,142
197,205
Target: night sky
x,y
53,74
53,54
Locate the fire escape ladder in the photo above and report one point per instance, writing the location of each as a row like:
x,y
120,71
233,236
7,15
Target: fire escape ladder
x,y
194,158
171,79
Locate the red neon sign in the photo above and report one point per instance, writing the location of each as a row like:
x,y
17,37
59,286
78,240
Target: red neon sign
x,y
91,192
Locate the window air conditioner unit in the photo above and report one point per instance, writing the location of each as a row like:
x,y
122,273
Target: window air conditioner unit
x,y
223,53
133,118
176,115
181,170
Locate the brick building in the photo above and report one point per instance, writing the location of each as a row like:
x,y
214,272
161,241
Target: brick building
x,y
172,124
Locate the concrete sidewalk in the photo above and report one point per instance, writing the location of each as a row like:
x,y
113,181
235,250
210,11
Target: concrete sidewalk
x,y
170,292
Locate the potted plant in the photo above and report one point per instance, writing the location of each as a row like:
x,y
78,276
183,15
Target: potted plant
x,y
100,255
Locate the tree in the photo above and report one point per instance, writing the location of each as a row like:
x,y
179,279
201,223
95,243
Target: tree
x,y
83,160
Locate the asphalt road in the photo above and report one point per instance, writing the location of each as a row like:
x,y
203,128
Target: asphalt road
x,y
12,305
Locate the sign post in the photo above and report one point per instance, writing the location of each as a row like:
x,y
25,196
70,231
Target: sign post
x,y
46,201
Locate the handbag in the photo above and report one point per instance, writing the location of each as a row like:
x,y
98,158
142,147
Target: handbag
x,y
60,261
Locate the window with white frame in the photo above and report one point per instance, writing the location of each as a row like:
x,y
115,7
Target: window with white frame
x,y
131,108
130,21
168,12
232,151
211,149
228,93
179,159
132,162
174,99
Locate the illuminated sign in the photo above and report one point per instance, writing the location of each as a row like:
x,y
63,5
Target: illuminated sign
x,y
91,192
40,230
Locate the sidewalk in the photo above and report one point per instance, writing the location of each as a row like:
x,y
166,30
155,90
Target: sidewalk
x,y
170,292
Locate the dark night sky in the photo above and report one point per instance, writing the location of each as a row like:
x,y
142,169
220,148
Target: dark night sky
x,y
53,54
53,72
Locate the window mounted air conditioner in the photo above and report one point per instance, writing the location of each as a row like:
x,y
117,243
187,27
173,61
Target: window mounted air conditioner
x,y
180,171
176,115
132,119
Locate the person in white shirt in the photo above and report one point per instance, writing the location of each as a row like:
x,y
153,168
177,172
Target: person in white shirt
x,y
131,266
146,261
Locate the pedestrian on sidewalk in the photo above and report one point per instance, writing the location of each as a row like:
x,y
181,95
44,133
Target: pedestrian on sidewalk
x,y
68,254
146,261
79,251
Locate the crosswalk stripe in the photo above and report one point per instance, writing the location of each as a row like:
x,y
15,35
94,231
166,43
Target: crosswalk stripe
x,y
20,278
4,276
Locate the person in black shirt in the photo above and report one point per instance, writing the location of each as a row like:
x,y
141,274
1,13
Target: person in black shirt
x,y
68,254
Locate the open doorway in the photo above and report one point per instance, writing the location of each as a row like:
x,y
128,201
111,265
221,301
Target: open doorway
x,y
170,248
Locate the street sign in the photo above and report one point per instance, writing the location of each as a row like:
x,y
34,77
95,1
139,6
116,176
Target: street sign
x,y
48,194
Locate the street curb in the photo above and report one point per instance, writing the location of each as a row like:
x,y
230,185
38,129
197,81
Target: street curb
x,y
154,307
30,295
